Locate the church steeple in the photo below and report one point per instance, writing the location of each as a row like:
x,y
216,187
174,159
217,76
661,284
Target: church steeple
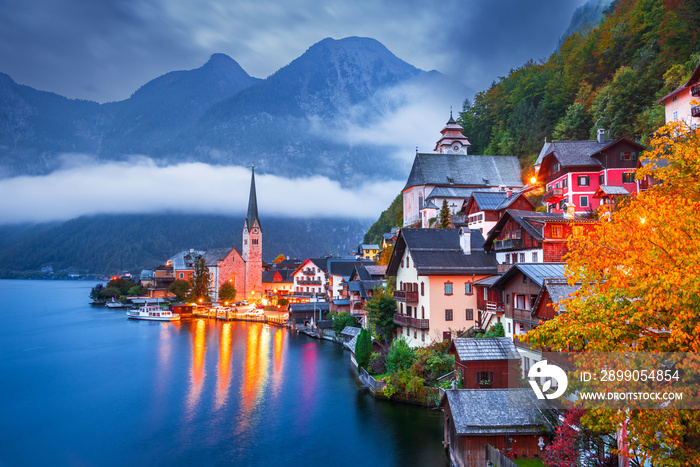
x,y
252,215
452,141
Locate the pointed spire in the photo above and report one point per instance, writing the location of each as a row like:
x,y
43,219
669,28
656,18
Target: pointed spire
x,y
252,215
451,120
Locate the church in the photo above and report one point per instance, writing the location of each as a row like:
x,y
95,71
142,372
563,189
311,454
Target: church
x,y
449,173
244,269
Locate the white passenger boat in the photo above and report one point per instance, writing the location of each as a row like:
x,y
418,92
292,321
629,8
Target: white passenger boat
x,y
152,313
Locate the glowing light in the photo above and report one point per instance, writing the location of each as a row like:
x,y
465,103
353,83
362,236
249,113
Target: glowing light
x,y
642,220
533,180
197,372
224,366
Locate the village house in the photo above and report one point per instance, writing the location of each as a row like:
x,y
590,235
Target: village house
x,y
520,286
451,174
486,362
489,302
309,279
678,103
532,237
507,419
435,270
369,252
484,208
277,283
360,288
572,171
338,273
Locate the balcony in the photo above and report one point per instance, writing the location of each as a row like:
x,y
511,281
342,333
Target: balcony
x,y
308,272
508,244
494,307
405,296
695,90
553,195
695,111
405,320
309,281
520,344
523,316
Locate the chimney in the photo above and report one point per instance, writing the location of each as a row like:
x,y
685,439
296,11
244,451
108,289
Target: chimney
x,y
570,211
601,135
509,193
465,240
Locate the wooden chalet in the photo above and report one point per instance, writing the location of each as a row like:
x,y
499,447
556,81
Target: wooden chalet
x,y
486,362
507,419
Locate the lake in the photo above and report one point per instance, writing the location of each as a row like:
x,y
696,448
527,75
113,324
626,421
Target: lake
x,y
83,386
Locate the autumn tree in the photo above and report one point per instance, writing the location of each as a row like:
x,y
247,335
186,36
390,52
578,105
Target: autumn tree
x,y
640,276
385,254
200,281
278,259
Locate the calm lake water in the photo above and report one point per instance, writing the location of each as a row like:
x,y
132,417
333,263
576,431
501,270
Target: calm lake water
x,y
84,386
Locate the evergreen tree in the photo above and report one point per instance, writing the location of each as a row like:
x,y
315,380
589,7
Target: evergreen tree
x,y
444,215
199,282
381,311
363,348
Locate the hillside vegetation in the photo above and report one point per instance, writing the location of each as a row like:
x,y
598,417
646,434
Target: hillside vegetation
x,y
609,77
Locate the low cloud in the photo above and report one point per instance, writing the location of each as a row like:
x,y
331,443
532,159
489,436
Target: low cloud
x,y
142,186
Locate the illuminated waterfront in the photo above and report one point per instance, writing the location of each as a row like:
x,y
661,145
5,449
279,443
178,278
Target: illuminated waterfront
x,y
86,386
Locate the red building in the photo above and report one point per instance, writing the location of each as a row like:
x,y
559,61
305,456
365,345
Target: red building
x,y
487,362
572,171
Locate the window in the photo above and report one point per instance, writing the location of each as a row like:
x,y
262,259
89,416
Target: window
x,y
448,288
415,333
526,364
675,112
448,315
524,279
509,328
486,293
422,289
601,179
255,241
470,313
556,167
182,275
522,257
583,180
484,378
520,302
557,231
625,156
446,336
564,183
534,256
507,299
628,177
584,201
422,312
422,335
468,288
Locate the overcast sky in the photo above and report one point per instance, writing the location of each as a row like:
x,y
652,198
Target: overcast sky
x,y
104,50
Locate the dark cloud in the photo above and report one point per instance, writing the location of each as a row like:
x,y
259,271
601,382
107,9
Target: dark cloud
x,y
104,50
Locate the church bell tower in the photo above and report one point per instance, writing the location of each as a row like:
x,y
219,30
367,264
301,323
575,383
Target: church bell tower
x,y
252,246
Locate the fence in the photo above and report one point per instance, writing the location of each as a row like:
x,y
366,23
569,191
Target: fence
x,y
367,380
497,458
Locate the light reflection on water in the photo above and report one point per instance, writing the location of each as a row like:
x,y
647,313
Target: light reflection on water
x,y
90,387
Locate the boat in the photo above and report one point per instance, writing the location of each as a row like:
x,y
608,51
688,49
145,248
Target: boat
x,y
152,313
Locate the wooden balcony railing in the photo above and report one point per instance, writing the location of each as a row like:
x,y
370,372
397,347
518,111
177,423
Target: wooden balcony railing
x,y
553,195
522,345
508,244
523,316
309,282
494,307
695,111
695,90
405,320
405,296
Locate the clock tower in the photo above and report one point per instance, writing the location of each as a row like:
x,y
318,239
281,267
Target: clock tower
x,y
252,247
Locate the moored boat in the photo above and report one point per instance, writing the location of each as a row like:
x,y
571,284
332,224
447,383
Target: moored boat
x,y
152,313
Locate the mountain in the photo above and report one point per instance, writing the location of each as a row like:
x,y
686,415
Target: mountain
x,y
295,122
586,17
162,108
108,244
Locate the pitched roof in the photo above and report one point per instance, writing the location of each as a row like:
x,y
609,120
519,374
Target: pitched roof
x,y
463,169
438,251
495,411
376,269
495,200
531,221
350,331
557,289
252,215
450,192
214,255
573,153
610,191
310,306
485,348
537,272
345,267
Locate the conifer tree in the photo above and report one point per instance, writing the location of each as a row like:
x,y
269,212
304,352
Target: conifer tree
x,y
444,215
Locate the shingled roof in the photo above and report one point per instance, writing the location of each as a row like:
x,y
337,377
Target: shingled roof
x,y
464,170
558,289
485,348
495,411
537,272
438,251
